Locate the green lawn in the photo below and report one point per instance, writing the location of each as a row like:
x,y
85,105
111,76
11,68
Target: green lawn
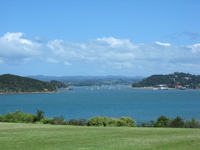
x,y
14,136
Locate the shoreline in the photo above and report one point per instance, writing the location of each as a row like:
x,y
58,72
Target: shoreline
x,y
154,87
141,87
31,93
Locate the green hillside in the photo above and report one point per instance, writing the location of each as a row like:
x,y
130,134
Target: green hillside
x,y
171,80
17,84
58,84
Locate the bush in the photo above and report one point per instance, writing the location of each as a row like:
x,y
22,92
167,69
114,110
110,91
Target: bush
x,y
112,122
58,120
162,121
46,120
18,117
126,121
97,121
79,122
105,121
29,118
193,123
2,118
39,116
178,122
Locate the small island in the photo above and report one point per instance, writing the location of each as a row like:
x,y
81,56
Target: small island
x,y
13,84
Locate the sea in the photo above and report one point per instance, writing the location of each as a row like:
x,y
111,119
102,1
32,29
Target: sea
x,y
143,105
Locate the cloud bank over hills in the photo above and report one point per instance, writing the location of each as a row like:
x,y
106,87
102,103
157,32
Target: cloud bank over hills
x,y
106,53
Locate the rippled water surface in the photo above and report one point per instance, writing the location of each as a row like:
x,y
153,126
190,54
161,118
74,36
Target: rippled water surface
x,y
85,102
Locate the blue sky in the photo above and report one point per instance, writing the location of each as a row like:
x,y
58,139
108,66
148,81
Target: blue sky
x,y
107,37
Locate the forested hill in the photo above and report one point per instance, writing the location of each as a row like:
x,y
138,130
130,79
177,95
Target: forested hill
x,y
17,84
171,80
58,84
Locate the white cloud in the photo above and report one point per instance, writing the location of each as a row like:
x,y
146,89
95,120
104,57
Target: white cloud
x,y
163,44
103,53
195,48
100,50
116,43
14,47
17,37
111,41
196,45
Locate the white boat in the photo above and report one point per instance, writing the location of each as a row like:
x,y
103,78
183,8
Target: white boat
x,y
161,87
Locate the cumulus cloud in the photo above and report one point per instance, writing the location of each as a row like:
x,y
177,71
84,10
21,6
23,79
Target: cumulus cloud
x,y
105,53
14,47
122,53
100,50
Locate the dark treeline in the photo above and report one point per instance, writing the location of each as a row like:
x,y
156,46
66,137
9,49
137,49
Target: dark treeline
x,y
162,121
177,122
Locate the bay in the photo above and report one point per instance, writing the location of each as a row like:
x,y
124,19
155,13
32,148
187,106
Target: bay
x,y
142,105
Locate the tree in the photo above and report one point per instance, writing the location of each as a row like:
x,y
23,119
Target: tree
x,y
193,123
162,121
39,115
98,121
178,122
126,121
58,120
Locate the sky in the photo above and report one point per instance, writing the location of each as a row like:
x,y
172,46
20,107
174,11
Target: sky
x,y
99,38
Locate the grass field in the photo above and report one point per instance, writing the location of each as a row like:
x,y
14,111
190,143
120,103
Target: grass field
x,y
16,136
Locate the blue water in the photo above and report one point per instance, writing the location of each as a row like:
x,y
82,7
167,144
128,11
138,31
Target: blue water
x,y
142,105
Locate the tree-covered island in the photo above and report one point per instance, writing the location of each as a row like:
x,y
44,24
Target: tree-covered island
x,y
11,84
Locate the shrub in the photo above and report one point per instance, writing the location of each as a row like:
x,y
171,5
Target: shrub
x,y
162,121
46,120
17,117
97,121
105,121
2,118
126,121
193,123
112,122
58,120
178,122
79,122
29,118
147,124
39,116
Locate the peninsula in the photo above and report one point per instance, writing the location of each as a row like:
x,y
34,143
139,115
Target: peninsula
x,y
13,84
175,80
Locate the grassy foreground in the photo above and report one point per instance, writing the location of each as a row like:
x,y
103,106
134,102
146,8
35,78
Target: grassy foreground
x,y
16,136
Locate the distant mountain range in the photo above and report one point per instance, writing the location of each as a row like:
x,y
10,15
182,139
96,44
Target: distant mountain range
x,y
90,80
173,80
